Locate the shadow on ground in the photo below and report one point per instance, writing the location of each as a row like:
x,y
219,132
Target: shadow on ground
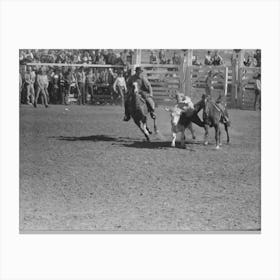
x,y
125,142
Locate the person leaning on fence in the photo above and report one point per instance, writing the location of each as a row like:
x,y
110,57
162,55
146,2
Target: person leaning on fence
x,y
41,88
145,90
119,86
258,92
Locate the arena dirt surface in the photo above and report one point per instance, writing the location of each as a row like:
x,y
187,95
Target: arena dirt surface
x,y
83,169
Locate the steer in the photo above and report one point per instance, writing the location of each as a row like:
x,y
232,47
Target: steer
x,y
177,126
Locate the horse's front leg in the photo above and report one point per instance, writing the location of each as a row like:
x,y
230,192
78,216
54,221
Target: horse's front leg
x,y
226,129
173,139
206,128
217,136
144,131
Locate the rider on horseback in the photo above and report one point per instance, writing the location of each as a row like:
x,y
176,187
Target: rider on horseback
x,y
145,90
208,97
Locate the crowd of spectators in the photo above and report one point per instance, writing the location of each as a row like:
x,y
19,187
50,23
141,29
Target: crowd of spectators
x,y
78,56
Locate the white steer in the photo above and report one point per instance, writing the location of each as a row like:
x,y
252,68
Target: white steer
x,y
176,127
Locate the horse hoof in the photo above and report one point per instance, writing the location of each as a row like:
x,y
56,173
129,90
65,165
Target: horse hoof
x,y
220,144
205,143
173,145
217,147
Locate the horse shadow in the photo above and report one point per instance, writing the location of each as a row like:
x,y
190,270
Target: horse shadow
x,y
93,138
124,142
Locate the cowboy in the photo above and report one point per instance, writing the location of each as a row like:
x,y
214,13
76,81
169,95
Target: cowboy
x,y
208,94
145,90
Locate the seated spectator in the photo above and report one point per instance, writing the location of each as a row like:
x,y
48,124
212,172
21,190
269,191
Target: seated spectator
x,y
257,56
118,60
111,57
208,58
176,59
217,59
195,61
249,61
153,58
29,56
162,58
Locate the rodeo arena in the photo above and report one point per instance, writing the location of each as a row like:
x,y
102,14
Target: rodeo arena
x,y
98,149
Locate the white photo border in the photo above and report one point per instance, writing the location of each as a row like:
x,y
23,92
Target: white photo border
x,y
147,24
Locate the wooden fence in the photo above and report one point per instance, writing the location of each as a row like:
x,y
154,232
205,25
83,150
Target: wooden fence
x,y
164,79
236,83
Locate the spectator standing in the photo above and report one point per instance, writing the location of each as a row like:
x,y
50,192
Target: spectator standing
x,y
119,86
61,79
81,79
41,89
208,58
257,56
258,92
29,79
55,86
90,81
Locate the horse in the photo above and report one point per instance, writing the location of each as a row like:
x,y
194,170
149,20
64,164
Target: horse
x,y
138,111
212,117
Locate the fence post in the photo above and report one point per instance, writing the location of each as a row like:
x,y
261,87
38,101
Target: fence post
x,y
185,73
136,59
239,79
226,80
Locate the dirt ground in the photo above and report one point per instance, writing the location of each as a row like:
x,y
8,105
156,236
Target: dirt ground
x,y
83,169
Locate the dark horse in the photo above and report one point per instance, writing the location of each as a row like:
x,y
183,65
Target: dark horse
x,y
212,117
138,110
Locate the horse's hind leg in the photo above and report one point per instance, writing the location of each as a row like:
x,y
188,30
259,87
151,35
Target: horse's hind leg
x,y
144,130
226,129
149,131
